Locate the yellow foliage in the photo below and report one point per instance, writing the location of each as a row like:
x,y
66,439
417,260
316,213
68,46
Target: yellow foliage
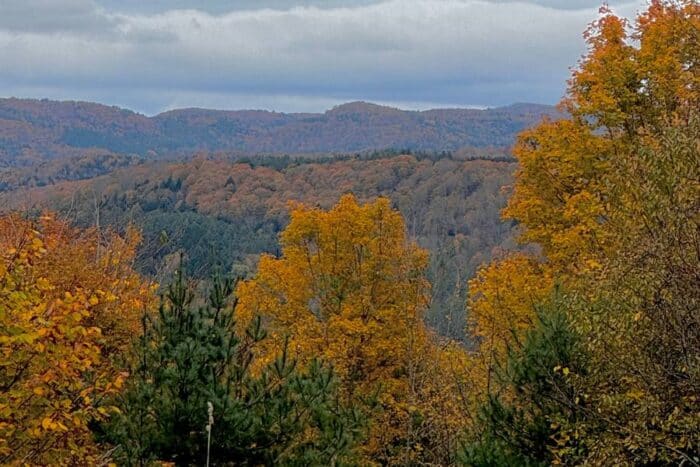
x,y
610,194
559,194
350,289
500,310
56,339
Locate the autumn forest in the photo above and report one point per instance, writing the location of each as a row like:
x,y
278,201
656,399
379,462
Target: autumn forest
x,y
514,286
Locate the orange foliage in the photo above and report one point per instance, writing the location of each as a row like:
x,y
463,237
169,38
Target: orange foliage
x,y
603,193
69,302
350,289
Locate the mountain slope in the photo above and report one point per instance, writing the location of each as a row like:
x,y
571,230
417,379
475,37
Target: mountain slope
x,y
32,130
227,213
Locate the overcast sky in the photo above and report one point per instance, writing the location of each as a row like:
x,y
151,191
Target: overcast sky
x,y
293,55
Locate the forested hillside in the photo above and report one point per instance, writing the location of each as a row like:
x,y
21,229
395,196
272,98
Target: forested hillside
x,y
35,130
48,172
226,214
315,312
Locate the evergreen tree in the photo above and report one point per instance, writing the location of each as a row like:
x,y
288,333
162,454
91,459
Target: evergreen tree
x,y
188,356
527,421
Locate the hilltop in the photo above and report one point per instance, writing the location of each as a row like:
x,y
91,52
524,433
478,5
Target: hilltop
x,y
35,130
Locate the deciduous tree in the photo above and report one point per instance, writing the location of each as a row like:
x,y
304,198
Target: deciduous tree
x,y
350,288
611,195
69,301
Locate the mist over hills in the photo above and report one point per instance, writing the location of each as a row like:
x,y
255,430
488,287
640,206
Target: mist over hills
x,y
32,130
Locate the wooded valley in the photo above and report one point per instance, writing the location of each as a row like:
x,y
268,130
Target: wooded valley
x,y
366,286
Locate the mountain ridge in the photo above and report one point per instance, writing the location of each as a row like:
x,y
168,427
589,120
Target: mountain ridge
x,y
349,104
33,129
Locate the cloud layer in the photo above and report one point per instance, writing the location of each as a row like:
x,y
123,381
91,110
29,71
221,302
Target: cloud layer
x,y
300,56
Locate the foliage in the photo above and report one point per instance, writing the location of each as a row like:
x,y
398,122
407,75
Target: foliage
x,y
501,301
68,302
350,288
226,214
89,165
539,374
607,374
189,356
611,195
646,309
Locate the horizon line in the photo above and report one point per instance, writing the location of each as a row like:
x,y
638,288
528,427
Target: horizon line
x,y
400,106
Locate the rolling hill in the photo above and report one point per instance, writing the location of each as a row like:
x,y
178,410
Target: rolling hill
x,y
216,184
36,130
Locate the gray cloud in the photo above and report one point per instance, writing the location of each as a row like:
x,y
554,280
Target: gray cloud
x,y
287,57
562,4
52,16
224,6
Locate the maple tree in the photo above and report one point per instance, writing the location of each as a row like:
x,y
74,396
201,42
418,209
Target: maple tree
x,y
69,302
620,98
502,300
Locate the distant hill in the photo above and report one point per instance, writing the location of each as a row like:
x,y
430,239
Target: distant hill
x,y
34,130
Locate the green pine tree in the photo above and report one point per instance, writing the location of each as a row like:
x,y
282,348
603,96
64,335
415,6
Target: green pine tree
x,y
188,356
527,421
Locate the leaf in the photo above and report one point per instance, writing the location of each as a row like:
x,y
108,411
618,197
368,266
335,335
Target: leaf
x,y
46,423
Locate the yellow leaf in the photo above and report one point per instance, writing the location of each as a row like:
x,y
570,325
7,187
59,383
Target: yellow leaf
x,y
46,423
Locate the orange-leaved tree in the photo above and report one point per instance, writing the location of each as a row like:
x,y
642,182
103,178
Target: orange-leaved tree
x,y
502,297
69,302
350,288
611,195
628,90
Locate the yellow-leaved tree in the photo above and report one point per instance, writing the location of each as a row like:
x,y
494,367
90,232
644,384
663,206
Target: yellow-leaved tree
x,y
350,288
502,297
611,195
69,303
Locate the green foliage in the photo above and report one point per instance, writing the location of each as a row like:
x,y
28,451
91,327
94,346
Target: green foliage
x,y
526,422
612,197
188,356
209,242
645,313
